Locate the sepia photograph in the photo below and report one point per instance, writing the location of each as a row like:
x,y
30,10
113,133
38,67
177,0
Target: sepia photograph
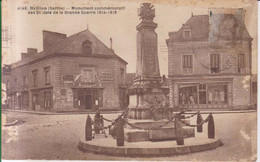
x,y
129,80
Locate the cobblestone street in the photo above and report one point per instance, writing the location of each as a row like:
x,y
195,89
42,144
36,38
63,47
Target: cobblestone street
x,y
57,137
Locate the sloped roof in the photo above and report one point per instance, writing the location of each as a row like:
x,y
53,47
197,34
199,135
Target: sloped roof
x,y
73,45
199,26
219,25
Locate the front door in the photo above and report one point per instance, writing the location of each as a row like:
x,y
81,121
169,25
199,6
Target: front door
x,y
88,101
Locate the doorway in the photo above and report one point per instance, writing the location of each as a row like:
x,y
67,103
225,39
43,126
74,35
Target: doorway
x,y
88,102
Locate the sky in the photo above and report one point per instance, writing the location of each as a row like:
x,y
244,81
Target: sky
x,y
169,15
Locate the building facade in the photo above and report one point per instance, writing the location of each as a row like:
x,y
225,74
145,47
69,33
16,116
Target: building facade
x,y
71,73
210,63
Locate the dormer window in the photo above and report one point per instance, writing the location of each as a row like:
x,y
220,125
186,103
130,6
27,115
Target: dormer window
x,y
187,33
87,47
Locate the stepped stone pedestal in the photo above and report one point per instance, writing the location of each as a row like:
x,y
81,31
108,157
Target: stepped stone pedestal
x,y
167,132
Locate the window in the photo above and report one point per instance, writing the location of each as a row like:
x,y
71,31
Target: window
x,y
35,78
241,63
87,76
47,75
68,78
87,47
122,72
187,64
35,99
187,34
8,86
188,95
47,99
214,63
217,94
25,81
202,94
15,82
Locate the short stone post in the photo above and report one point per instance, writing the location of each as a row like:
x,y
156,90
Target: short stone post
x,y
199,120
120,139
178,131
97,122
211,126
88,129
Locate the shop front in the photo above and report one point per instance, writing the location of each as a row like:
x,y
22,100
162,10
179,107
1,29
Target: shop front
x,y
87,98
206,95
25,99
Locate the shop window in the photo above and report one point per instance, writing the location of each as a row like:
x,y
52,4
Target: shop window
x,y
25,100
47,75
35,100
187,64
87,47
47,99
202,94
81,98
214,63
241,63
217,94
188,95
35,78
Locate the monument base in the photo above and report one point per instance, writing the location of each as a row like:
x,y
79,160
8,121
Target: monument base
x,y
140,113
107,146
164,134
145,102
158,133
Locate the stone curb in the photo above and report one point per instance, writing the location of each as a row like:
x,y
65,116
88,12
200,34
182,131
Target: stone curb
x,y
60,113
119,111
221,112
148,152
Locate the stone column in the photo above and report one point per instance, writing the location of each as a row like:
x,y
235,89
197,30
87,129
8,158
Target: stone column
x,y
171,95
229,94
176,95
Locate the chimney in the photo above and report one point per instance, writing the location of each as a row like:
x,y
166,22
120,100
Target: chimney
x,y
111,44
25,55
31,50
51,38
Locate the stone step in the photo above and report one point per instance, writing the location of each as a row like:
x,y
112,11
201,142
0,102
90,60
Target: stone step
x,y
151,123
135,135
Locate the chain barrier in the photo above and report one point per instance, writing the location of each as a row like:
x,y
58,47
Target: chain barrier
x,y
195,125
191,115
113,122
156,127
107,119
109,126
151,128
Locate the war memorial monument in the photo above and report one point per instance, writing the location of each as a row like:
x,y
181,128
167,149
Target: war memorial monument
x,y
149,127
